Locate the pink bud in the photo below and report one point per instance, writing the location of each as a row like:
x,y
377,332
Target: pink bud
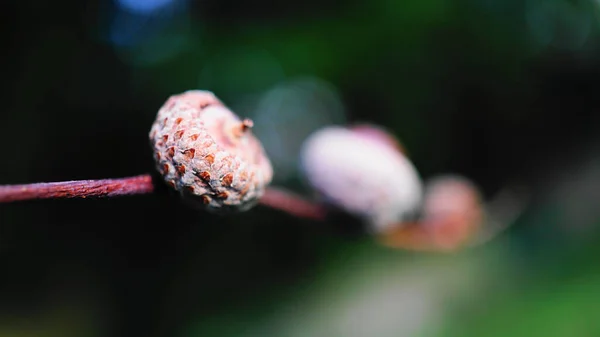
x,y
452,210
362,175
208,154
452,216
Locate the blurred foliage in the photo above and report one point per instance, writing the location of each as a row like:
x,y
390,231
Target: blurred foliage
x,y
502,91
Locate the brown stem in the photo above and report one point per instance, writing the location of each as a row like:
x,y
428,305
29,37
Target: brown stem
x,y
78,189
274,197
292,204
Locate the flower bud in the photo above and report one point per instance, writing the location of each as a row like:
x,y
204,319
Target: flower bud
x,y
452,210
451,217
204,151
360,174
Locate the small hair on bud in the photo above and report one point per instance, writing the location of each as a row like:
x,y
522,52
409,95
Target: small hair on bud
x,y
219,164
247,124
361,175
241,128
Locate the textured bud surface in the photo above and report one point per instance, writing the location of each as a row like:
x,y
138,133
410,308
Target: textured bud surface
x,y
361,175
204,151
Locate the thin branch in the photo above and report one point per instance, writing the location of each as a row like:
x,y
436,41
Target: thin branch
x,y
292,204
104,188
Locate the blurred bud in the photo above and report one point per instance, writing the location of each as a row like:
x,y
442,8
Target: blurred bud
x,y
452,211
359,172
204,151
452,215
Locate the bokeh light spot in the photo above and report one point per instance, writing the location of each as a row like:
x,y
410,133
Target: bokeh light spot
x,y
558,23
144,39
144,6
288,113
